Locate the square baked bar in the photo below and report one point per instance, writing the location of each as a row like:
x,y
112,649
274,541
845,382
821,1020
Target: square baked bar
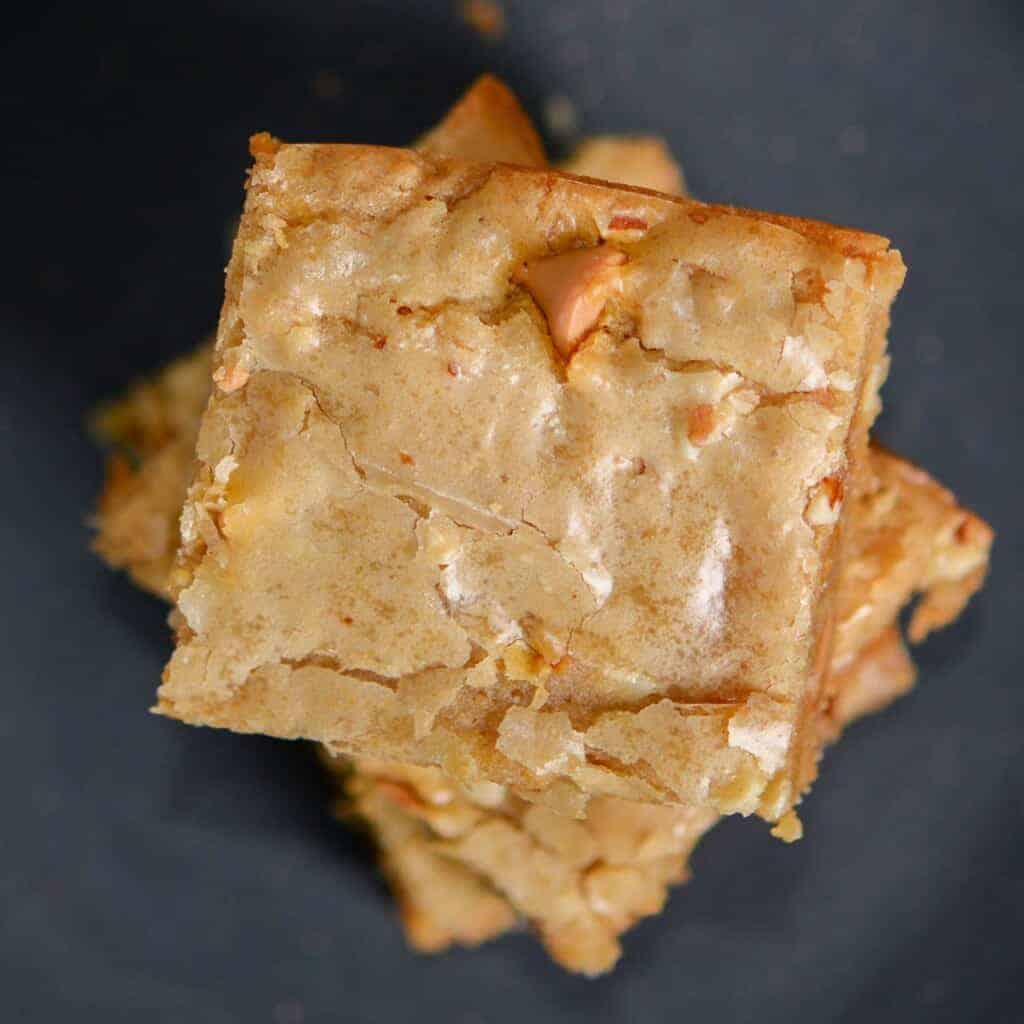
x,y
531,477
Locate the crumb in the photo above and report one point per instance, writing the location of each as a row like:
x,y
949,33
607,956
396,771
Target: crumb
x,y
486,17
789,829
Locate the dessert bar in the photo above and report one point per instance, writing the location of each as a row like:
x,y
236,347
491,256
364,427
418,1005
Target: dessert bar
x,y
467,865
531,477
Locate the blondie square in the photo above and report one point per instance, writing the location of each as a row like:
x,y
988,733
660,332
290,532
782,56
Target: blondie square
x,y
445,849
531,477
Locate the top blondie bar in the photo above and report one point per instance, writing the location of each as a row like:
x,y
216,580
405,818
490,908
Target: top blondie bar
x,y
532,477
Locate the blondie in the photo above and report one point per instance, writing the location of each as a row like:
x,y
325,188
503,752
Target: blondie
x,y
461,862
531,477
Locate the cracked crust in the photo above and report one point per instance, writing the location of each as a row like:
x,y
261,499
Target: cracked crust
x,y
673,599
468,866
154,427
444,900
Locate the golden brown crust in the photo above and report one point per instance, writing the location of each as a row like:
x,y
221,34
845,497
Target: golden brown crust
x,y
876,676
670,714
487,123
153,432
153,429
641,161
863,245
645,163
580,884
912,537
444,899
441,903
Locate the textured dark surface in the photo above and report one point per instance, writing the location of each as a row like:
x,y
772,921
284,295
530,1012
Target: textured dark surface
x,y
153,872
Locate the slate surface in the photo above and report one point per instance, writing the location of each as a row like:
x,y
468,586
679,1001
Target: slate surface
x,y
153,872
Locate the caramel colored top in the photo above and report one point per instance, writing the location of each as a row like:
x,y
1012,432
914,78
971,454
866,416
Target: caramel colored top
x,y
422,530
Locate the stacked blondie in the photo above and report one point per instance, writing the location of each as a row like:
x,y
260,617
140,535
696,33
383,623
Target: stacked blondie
x,y
545,504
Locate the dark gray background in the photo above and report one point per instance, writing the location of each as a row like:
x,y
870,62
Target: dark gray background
x,y
153,872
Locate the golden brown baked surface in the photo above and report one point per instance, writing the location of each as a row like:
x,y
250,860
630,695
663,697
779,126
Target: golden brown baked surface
x,y
152,430
418,531
642,161
868,681
580,884
415,813
486,124
908,535
448,897
154,427
911,536
451,854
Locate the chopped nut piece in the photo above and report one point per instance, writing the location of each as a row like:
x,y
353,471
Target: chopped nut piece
x,y
833,486
824,507
700,423
581,946
571,289
570,839
543,741
440,538
761,729
230,377
263,144
623,222
789,829
740,793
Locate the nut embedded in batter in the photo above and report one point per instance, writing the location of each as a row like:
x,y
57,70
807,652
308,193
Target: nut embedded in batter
x,y
571,289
